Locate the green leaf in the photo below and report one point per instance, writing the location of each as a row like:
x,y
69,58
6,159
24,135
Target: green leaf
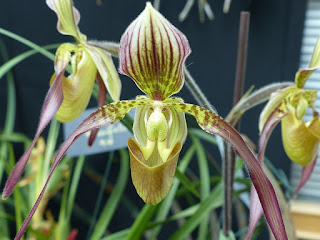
x,y
186,182
9,64
214,200
113,201
50,147
204,186
141,222
230,237
27,43
203,135
61,232
118,235
74,186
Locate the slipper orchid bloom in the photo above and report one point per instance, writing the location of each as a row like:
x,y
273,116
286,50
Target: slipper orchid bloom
x,y
300,139
69,96
152,53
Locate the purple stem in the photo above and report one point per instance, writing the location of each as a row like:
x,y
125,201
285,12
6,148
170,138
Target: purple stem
x,y
229,161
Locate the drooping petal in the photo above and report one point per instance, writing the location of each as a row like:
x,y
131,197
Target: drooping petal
x,y
305,175
214,124
255,206
68,18
276,99
300,144
104,116
106,69
52,102
152,182
77,88
102,96
152,53
110,47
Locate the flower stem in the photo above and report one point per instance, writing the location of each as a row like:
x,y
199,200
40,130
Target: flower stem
x,y
229,160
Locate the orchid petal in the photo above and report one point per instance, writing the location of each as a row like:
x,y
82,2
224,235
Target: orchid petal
x,y
52,102
102,96
214,124
104,116
305,175
315,60
77,87
106,69
152,182
276,99
300,144
68,18
152,53
304,74
255,206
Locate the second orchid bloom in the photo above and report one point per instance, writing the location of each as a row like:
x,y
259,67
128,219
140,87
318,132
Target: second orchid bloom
x,y
300,139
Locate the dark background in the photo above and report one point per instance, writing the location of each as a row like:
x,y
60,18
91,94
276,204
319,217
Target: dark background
x,y
273,53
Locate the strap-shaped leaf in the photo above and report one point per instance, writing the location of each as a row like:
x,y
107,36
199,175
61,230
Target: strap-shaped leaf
x,y
104,116
214,124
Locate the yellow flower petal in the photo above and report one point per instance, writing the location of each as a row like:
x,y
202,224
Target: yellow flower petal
x,y
68,18
107,70
299,142
77,88
276,99
152,182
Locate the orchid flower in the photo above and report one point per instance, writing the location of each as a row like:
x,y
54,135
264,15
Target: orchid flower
x,y
69,96
152,53
300,139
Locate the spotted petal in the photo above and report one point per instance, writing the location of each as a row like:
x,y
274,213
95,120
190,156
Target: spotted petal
x,y
214,124
104,116
77,87
68,18
152,53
